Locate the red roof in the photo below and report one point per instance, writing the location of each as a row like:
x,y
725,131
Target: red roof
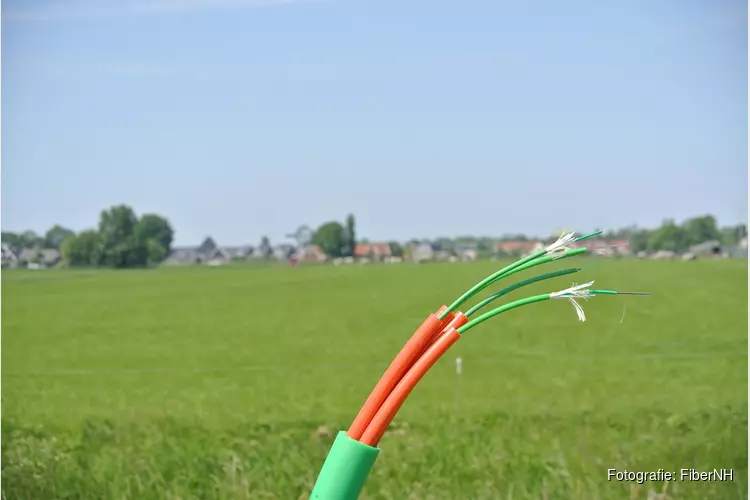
x,y
370,249
313,252
514,246
619,243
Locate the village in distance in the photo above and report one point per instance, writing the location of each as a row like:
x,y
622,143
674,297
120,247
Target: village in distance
x,y
146,242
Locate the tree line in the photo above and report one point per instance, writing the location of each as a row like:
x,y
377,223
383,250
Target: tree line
x,y
680,237
668,236
121,240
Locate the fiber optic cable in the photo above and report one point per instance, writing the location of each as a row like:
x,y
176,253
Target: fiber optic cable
x,y
354,452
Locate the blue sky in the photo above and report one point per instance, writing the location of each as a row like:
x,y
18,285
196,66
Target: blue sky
x,y
239,119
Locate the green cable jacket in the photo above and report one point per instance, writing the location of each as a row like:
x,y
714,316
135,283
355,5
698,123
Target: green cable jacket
x,y
345,470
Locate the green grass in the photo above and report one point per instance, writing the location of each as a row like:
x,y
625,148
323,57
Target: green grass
x,y
231,382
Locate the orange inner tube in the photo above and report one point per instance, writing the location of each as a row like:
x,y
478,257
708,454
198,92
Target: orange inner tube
x,y
416,345
393,402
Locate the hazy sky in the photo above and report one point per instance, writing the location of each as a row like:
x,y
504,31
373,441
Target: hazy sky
x,y
238,119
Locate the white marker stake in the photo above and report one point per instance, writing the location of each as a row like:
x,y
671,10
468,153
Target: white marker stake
x,y
459,369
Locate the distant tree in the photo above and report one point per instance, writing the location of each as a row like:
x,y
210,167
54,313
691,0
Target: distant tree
x,y
465,240
396,249
484,244
56,235
609,235
732,235
639,240
265,247
155,252
514,237
700,229
155,227
330,237
669,236
626,232
120,245
350,237
12,239
29,239
82,249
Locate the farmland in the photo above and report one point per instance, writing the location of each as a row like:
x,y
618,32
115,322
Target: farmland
x,y
231,382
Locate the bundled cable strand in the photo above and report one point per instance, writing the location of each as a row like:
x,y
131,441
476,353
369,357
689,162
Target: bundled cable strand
x,y
354,452
411,351
392,404
518,285
556,250
450,336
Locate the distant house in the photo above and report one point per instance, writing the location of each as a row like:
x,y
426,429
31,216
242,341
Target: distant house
x,y
372,251
201,254
423,253
38,257
442,255
9,256
621,247
239,253
208,246
605,248
600,247
283,251
516,248
184,255
467,252
740,250
663,255
712,248
311,253
218,257
207,253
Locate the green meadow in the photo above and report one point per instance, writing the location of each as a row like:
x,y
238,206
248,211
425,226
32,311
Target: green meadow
x,y
224,383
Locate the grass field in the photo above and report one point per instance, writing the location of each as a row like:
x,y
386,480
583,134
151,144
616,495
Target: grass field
x,y
231,383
